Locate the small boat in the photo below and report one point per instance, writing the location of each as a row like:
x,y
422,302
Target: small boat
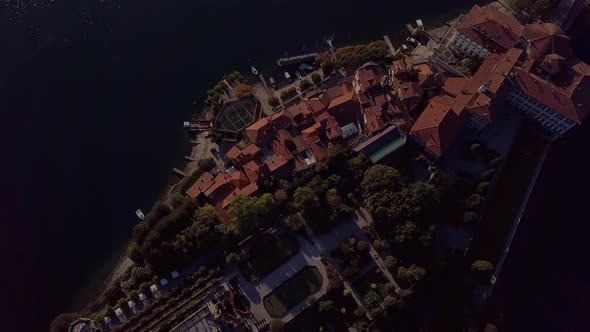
x,y
254,70
301,69
419,24
288,77
306,66
273,84
298,75
140,214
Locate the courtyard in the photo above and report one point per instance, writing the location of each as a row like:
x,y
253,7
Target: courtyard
x,y
293,291
266,254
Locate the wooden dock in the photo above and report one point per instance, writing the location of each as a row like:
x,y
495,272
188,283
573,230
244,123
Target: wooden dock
x,y
392,49
189,158
296,59
179,172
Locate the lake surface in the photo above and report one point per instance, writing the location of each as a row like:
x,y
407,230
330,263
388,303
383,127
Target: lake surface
x,y
93,97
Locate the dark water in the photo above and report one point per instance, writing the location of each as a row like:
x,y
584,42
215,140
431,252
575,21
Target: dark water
x,y
92,96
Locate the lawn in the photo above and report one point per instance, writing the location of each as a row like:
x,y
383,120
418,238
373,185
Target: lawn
x,y
266,254
293,291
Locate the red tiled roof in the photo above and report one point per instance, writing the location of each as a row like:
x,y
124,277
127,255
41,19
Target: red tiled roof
x,y
239,179
201,185
254,170
249,190
234,153
346,109
332,128
280,119
409,90
374,119
439,124
567,94
490,28
251,151
545,39
220,183
276,163
258,130
315,105
297,109
368,77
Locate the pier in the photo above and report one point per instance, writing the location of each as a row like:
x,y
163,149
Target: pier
x,y
392,49
294,60
179,172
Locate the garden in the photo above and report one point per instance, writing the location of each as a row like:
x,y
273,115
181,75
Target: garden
x,y
266,254
293,291
372,281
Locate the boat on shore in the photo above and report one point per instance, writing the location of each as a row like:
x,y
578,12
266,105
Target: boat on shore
x,y
298,75
140,214
306,67
254,70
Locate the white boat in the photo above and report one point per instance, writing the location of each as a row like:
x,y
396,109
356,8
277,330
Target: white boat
x,y
288,77
420,24
306,66
254,70
298,75
140,214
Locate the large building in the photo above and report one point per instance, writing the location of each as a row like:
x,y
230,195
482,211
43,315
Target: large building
x,y
486,30
552,87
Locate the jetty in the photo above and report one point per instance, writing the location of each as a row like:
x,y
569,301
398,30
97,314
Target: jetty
x,y
179,172
198,125
295,60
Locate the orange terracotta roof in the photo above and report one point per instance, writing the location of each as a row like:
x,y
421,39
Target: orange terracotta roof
x,y
249,190
409,90
374,119
545,39
368,77
239,179
491,28
258,130
251,151
220,182
439,124
234,153
276,163
204,182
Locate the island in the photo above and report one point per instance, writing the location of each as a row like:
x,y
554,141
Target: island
x,y
377,191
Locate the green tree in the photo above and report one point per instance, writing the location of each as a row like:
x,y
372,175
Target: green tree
x,y
133,295
380,177
482,188
62,322
243,213
281,196
390,262
406,232
362,246
144,286
371,299
482,266
470,218
305,200
232,258
358,165
333,198
474,202
273,101
411,274
122,303
134,252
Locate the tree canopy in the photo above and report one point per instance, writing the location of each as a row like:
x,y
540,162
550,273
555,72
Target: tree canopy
x,y
380,177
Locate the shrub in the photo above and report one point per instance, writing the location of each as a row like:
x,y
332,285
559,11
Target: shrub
x,y
380,245
371,299
482,188
273,101
328,67
376,312
243,91
413,273
362,246
360,312
232,258
316,78
496,162
122,303
304,84
133,295
474,202
390,262
276,325
288,93
206,164
327,306
487,175
470,218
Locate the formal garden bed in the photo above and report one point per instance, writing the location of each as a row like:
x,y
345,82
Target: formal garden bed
x,y
352,255
266,254
372,281
293,291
